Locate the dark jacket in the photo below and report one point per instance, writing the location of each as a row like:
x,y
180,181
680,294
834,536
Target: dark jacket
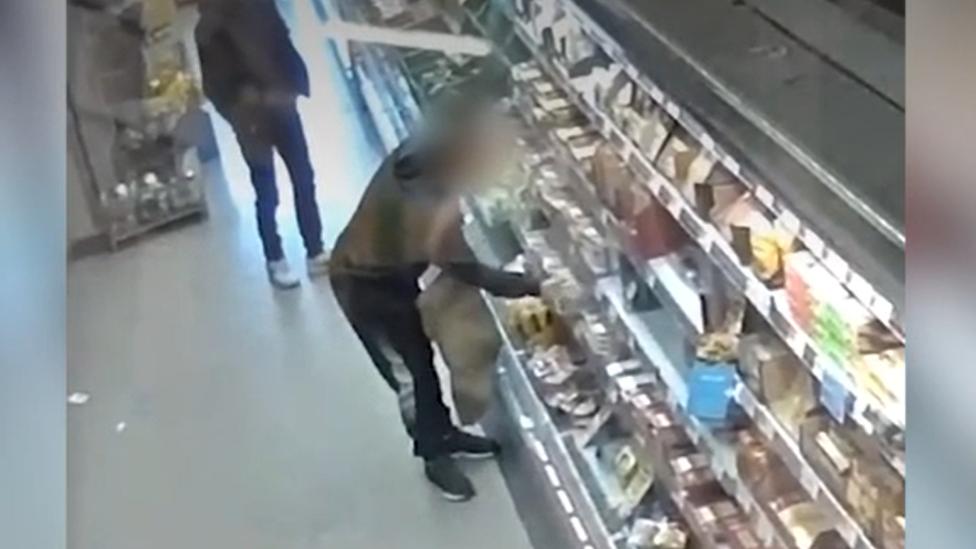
x,y
245,43
391,236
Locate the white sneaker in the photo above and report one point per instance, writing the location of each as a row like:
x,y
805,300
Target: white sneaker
x,y
318,265
281,275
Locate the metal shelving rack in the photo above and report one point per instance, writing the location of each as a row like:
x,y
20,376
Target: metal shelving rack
x,y
139,144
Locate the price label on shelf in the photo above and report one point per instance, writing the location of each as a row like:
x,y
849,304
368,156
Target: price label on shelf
x,y
859,413
766,426
848,531
628,384
628,68
642,401
656,184
789,223
689,222
707,142
814,243
764,196
731,165
837,266
657,95
882,308
794,337
664,194
760,297
861,288
810,481
672,109
746,399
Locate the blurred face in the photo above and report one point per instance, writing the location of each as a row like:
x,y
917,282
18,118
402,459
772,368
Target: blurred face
x,y
482,153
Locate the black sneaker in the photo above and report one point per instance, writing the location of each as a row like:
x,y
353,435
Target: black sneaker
x,y
444,473
463,444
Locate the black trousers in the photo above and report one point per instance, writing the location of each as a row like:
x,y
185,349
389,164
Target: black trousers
x,y
260,131
384,314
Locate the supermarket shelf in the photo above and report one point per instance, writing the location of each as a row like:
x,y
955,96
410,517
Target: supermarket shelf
x,y
550,447
660,274
542,436
721,454
626,381
887,309
777,435
628,31
554,460
646,345
566,491
782,442
742,279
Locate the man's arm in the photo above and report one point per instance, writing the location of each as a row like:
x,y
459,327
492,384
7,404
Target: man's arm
x,y
449,250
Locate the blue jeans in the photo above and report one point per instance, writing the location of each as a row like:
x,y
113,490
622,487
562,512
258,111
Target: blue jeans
x,y
260,132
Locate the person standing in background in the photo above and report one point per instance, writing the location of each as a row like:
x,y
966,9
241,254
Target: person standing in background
x,y
253,75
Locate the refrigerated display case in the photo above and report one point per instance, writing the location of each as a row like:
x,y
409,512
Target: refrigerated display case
x,y
718,356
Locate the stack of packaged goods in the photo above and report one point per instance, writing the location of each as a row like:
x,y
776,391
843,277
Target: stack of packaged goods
x,y
882,375
838,319
800,268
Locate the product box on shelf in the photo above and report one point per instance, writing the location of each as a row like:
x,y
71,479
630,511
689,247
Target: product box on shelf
x,y
769,478
766,365
876,495
710,386
695,477
810,527
798,270
684,162
611,179
766,247
652,229
634,112
653,132
829,451
809,524
882,375
773,373
893,531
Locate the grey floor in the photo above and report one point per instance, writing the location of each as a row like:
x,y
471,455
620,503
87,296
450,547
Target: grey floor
x,y
225,415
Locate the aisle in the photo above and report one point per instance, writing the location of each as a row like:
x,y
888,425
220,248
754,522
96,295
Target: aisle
x,y
223,415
